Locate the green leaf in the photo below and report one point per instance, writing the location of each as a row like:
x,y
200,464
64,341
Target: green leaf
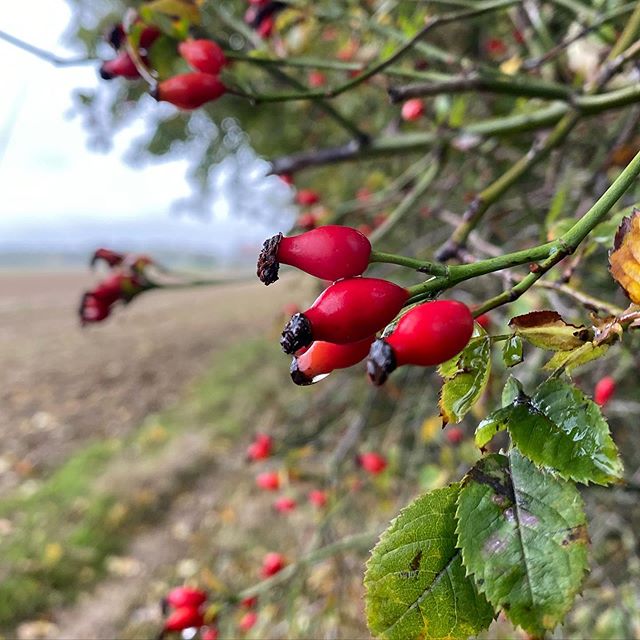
x,y
523,536
560,428
512,351
512,390
465,378
415,583
570,360
175,9
547,330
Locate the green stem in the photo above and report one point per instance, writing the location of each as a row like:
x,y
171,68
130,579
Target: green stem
x,y
628,36
500,84
496,189
570,241
424,266
541,258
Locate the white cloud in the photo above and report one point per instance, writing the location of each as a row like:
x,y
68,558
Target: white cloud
x,y
47,173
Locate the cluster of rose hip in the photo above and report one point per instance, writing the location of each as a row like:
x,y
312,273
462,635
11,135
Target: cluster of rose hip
x,y
261,448
340,328
185,90
128,278
187,608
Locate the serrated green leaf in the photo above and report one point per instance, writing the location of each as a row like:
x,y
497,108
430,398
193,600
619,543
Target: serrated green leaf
x,y
570,360
512,351
415,583
560,428
523,536
547,330
465,378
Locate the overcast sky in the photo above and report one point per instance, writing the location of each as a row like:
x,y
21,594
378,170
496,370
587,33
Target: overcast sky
x,y
47,174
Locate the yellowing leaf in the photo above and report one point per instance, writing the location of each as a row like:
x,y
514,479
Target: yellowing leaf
x,y
180,9
547,330
52,553
431,427
624,260
511,66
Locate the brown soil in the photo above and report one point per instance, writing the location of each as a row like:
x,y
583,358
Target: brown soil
x,y
62,386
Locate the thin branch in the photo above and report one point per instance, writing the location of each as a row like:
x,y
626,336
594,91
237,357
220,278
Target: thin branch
x,y
47,56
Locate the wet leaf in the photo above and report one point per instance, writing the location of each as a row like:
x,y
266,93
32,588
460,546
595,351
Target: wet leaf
x,y
547,330
624,260
415,583
465,378
523,536
560,428
512,351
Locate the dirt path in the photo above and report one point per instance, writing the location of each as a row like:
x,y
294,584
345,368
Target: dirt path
x,y
61,387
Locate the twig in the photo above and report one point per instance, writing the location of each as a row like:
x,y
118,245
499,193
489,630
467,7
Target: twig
x,y
47,56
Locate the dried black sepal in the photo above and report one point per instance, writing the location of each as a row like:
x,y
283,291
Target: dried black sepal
x,y
104,74
381,362
268,264
296,334
300,378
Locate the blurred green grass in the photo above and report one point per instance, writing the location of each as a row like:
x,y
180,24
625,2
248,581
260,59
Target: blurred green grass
x,y
63,528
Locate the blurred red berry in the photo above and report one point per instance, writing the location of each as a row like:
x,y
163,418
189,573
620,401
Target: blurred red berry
x,y
287,178
454,435
183,618
318,498
190,90
412,109
249,603
185,597
604,390
265,28
307,221
285,504
210,633
307,197
269,480
112,258
484,321
260,448
272,563
120,67
248,621
203,55
495,47
372,462
317,79
365,229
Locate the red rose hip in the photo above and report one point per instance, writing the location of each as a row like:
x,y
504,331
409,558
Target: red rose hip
x,y
329,253
428,335
185,597
271,564
203,55
372,462
604,390
190,90
412,109
321,358
349,310
183,618
120,67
